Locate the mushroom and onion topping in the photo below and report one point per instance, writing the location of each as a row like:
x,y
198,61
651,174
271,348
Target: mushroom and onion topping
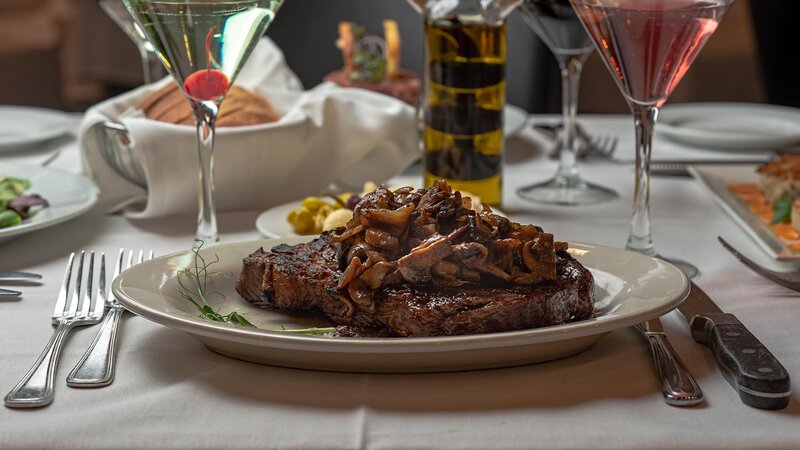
x,y
434,236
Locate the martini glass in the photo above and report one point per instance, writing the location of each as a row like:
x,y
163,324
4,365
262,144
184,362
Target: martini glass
x,y
648,45
558,26
203,45
117,11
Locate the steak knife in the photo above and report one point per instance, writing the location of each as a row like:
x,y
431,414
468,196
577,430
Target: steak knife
x,y
761,381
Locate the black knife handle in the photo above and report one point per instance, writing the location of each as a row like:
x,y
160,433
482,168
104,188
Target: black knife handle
x,y
761,381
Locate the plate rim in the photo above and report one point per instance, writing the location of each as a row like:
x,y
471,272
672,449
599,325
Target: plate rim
x,y
276,339
24,228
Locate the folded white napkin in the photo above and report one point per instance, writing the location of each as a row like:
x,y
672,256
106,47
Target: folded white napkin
x,y
325,135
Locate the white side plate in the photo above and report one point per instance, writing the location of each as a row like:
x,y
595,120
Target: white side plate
x,y
69,195
734,127
20,126
514,118
629,287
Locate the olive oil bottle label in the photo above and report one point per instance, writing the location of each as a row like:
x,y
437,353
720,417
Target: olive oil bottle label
x,y
465,91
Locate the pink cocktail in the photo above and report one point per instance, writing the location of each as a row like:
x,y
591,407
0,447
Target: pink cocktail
x,y
648,45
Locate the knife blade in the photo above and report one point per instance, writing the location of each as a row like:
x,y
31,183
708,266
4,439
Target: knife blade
x,y
677,384
19,276
761,381
680,168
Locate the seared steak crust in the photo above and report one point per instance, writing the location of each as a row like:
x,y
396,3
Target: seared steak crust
x,y
304,277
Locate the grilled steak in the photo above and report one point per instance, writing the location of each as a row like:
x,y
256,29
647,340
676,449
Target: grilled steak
x,y
424,263
304,277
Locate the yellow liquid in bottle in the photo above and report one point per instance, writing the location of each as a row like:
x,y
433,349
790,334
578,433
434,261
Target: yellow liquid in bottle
x,y
465,91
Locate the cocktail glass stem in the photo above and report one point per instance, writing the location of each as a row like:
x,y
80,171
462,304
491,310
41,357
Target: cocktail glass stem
x,y
570,81
205,113
639,240
151,66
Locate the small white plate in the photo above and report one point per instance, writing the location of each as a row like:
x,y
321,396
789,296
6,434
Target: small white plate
x,y
514,119
69,195
272,223
20,126
735,127
629,288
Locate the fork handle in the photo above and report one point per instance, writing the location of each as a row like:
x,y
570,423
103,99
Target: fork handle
x,y
36,388
677,384
96,367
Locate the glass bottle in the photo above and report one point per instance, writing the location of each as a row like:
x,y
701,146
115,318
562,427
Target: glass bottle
x,y
464,93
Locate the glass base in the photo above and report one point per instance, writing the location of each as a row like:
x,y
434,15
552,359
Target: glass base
x,y
567,192
689,269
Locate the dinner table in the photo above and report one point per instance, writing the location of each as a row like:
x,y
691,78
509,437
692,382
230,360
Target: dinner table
x,y
172,392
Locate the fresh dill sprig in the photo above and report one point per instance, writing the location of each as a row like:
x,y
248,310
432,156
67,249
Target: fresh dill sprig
x,y
199,276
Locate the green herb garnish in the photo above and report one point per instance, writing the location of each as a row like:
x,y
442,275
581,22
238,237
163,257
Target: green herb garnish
x,y
370,67
193,286
198,275
15,205
782,210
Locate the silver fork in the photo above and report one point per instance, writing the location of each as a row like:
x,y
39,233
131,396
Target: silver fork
x,y
678,385
78,308
790,280
96,367
602,146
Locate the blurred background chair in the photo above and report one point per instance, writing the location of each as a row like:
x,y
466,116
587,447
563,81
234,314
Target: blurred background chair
x,y
68,54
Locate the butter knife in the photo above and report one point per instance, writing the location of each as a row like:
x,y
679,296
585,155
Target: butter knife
x,y
680,168
677,384
19,276
761,381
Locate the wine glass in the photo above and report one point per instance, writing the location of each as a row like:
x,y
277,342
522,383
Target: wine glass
x,y
117,11
648,45
557,25
203,45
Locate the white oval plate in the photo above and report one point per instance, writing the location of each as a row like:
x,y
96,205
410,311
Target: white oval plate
x,y
741,127
21,125
69,195
629,288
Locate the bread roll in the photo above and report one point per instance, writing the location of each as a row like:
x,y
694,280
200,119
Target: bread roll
x,y
241,107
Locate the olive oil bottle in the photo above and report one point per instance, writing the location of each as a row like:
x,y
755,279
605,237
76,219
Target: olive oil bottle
x,y
465,92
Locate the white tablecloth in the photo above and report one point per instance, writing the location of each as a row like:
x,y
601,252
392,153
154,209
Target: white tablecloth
x,y
171,392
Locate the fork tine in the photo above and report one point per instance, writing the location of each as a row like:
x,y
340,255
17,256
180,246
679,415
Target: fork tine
x,y
141,256
86,303
99,301
130,259
75,298
63,293
613,146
